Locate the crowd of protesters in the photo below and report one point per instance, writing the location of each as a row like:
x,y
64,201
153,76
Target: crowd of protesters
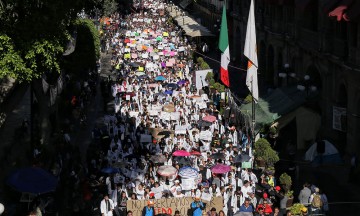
x,y
164,131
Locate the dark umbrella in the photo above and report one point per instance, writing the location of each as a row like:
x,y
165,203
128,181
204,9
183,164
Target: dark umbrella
x,y
218,155
203,123
158,159
241,158
109,170
164,133
32,180
134,64
182,161
173,86
142,77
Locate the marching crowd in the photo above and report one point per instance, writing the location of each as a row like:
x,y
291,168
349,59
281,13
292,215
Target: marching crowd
x,y
168,138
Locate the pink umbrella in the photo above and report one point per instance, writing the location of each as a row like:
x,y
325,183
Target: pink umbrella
x,y
172,53
166,170
209,118
220,169
181,153
195,153
134,55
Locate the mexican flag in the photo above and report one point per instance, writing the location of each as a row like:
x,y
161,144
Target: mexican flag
x,y
224,47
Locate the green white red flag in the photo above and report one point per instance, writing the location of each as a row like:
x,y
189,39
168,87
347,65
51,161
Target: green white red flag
x,y
224,47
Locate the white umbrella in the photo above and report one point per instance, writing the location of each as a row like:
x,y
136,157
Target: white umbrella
x,y
166,170
188,172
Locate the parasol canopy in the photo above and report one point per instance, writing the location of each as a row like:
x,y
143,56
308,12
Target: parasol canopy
x,y
188,172
32,180
209,118
181,153
220,169
166,170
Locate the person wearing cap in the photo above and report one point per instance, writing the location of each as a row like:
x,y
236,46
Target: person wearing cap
x,y
149,209
106,206
197,206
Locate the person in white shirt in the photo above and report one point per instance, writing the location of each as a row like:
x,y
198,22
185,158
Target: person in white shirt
x,y
246,189
106,206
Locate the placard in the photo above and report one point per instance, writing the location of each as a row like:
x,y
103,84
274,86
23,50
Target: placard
x,y
206,197
127,97
170,205
187,184
133,114
175,116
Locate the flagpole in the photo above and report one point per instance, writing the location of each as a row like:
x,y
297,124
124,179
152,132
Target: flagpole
x,y
252,116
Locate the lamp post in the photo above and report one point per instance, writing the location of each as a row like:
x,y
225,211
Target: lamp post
x,y
307,86
286,73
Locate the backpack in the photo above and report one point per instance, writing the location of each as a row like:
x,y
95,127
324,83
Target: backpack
x,y
316,202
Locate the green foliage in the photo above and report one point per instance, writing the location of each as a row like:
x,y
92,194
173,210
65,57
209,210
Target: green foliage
x,y
289,193
109,7
209,76
87,50
11,63
296,208
248,99
43,56
285,180
199,60
211,82
263,150
204,66
219,87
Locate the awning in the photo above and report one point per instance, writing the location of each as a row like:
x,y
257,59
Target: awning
x,y
183,4
191,27
274,105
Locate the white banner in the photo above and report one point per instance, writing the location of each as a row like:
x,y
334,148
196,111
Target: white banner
x,y
200,76
175,116
180,129
187,184
205,135
165,116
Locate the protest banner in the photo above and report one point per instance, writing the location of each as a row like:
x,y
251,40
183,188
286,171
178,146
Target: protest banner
x,y
170,205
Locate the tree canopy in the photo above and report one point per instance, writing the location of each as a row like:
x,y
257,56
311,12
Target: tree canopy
x,y
33,35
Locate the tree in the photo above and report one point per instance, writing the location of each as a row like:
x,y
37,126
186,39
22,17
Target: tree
x,y
109,7
87,50
33,35
11,63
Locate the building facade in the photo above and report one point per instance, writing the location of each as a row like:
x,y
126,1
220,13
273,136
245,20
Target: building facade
x,y
298,38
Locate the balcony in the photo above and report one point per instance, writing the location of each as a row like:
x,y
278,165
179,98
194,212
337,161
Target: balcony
x,y
309,39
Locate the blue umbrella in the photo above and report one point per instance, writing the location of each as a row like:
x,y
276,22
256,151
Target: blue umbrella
x,y
188,172
172,86
160,78
32,180
109,170
168,92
